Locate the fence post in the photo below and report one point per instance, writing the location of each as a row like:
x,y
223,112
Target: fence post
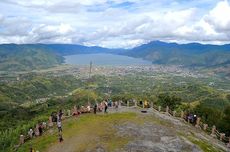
x,y
174,113
159,108
119,103
205,127
213,131
22,139
50,121
143,104
182,114
222,135
197,122
167,109
128,103
151,105
135,102
75,108
68,112
228,145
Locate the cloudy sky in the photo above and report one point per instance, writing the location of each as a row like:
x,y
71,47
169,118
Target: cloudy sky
x,y
114,23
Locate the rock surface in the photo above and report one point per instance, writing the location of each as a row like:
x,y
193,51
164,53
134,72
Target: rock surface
x,y
153,138
160,133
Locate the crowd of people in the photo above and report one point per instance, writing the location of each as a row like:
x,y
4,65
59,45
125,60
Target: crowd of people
x,y
57,117
38,130
97,107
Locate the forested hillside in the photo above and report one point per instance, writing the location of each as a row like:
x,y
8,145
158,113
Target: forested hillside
x,y
40,56
26,57
23,57
193,54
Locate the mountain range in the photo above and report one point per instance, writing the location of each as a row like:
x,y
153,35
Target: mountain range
x,y
37,56
192,54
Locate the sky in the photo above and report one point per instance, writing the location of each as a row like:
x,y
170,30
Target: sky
x,y
114,23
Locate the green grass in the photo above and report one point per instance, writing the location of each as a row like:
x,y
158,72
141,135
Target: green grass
x,y
206,147
85,131
202,144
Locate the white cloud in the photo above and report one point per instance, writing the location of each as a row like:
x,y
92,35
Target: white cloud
x,y
114,23
219,17
51,34
213,27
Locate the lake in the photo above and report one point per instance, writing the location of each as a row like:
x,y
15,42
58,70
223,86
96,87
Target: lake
x,y
104,59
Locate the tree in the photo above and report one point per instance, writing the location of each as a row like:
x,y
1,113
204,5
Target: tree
x,y
224,124
209,115
167,100
228,97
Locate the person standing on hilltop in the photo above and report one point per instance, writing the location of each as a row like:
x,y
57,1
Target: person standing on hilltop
x,y
95,108
110,103
116,105
60,138
60,114
59,125
106,106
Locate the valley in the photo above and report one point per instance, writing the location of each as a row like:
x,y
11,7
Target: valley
x,y
114,76
33,95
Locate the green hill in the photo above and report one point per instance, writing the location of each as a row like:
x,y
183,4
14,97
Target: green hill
x,y
193,54
22,57
25,57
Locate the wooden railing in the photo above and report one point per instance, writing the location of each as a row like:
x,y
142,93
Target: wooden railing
x,y
212,131
166,110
